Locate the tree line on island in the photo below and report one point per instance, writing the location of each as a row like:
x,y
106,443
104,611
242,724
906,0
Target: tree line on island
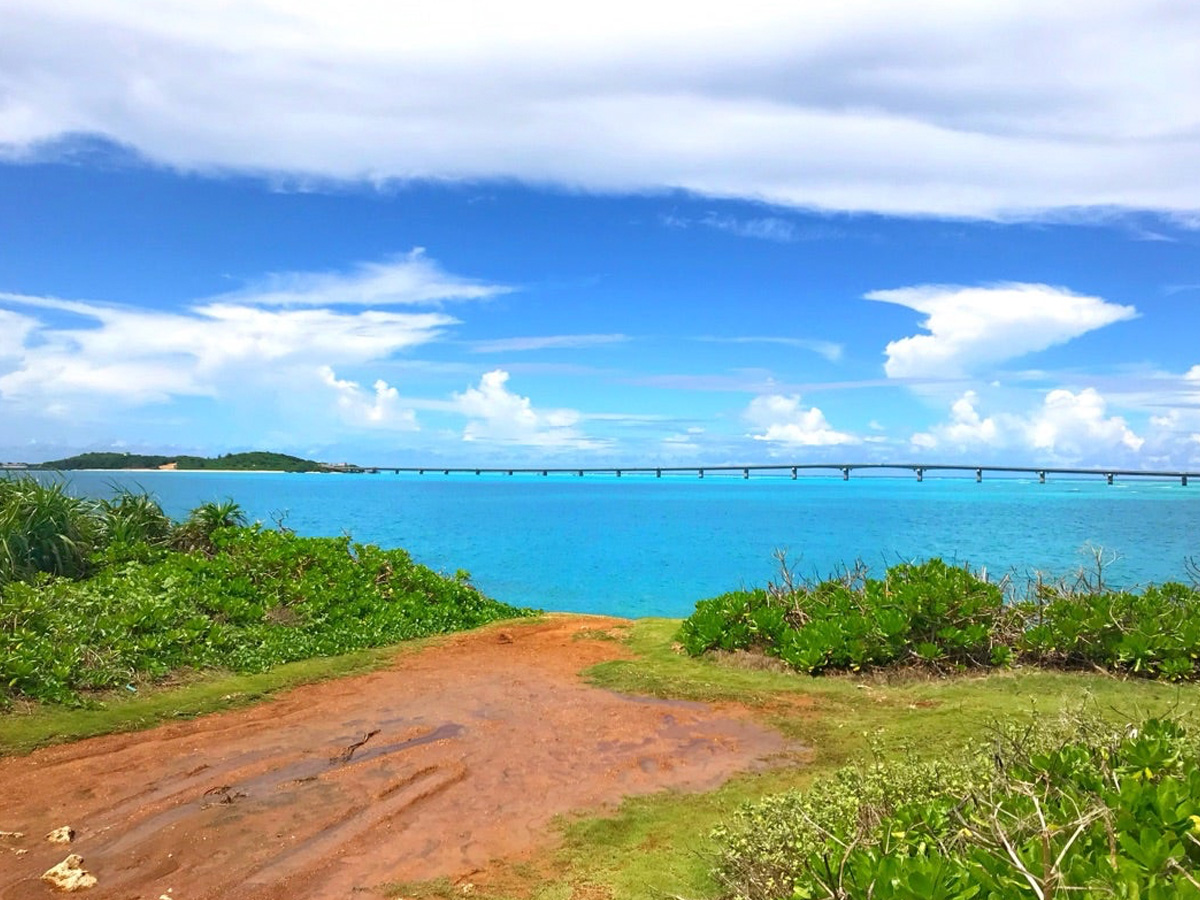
x,y
258,460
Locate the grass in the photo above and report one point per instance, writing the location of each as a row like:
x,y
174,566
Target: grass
x,y
35,725
659,846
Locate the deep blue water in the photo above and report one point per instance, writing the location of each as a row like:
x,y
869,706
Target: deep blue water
x,y
639,546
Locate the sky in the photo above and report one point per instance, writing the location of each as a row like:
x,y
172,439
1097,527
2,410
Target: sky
x,y
472,233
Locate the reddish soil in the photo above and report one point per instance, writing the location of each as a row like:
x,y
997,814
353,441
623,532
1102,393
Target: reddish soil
x,y
454,756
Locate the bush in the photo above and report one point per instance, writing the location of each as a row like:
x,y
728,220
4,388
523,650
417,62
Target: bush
x,y
261,598
930,613
1068,809
944,618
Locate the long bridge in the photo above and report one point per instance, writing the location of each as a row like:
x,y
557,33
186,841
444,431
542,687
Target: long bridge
x,y
793,469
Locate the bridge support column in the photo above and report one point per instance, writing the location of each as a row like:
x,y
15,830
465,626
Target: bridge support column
x,y
793,473
920,474
745,473
420,471
581,473
701,473
476,471
1041,477
978,475
618,473
543,471
1109,477
658,473
845,473
510,471
445,471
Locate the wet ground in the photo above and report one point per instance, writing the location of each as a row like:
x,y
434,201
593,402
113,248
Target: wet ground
x,y
454,756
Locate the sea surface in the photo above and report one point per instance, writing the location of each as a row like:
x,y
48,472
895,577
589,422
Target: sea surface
x,y
640,546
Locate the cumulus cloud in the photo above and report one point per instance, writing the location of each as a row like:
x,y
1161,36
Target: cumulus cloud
x,y
1068,426
14,330
380,409
895,108
140,356
971,328
497,415
61,353
784,420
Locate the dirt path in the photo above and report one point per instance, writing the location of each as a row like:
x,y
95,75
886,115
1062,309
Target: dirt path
x,y
451,757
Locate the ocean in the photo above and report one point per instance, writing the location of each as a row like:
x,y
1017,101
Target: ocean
x,y
641,546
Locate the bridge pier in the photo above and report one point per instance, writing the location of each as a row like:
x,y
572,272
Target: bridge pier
x,y
476,471
658,473
701,473
581,473
978,475
1109,477
1041,477
920,474
745,473
793,473
618,473
845,473
543,471
510,471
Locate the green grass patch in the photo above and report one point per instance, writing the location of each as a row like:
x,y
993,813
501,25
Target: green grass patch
x,y
662,845
33,725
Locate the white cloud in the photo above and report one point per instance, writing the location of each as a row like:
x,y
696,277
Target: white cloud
x,y
409,279
896,108
972,328
498,415
14,330
1068,427
381,409
784,420
224,346
547,342
143,356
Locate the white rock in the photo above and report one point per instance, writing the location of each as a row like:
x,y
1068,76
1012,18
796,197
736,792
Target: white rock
x,y
69,875
63,835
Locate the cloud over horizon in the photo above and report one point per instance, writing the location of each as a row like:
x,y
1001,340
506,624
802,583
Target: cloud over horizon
x,y
972,328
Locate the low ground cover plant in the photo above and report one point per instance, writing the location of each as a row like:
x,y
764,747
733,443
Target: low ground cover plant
x,y
143,597
945,618
1061,809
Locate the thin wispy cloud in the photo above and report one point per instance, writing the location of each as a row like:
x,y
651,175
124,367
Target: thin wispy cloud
x,y
547,342
830,350
407,280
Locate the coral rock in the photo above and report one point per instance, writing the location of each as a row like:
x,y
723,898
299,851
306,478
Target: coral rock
x,y
69,875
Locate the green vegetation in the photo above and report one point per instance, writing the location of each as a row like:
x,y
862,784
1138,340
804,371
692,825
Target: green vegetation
x,y
671,844
944,618
255,461
1079,808
102,595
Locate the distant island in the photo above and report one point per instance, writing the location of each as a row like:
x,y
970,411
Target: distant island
x,y
257,461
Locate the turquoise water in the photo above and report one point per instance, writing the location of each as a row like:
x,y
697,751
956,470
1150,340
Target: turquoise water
x,y
639,546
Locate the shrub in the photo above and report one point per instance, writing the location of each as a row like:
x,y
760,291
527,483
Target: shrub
x,y
1066,809
929,613
944,618
44,529
261,598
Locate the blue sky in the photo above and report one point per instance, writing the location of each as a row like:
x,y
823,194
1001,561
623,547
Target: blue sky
x,y
855,233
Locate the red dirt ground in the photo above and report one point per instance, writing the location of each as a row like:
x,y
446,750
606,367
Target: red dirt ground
x,y
454,756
